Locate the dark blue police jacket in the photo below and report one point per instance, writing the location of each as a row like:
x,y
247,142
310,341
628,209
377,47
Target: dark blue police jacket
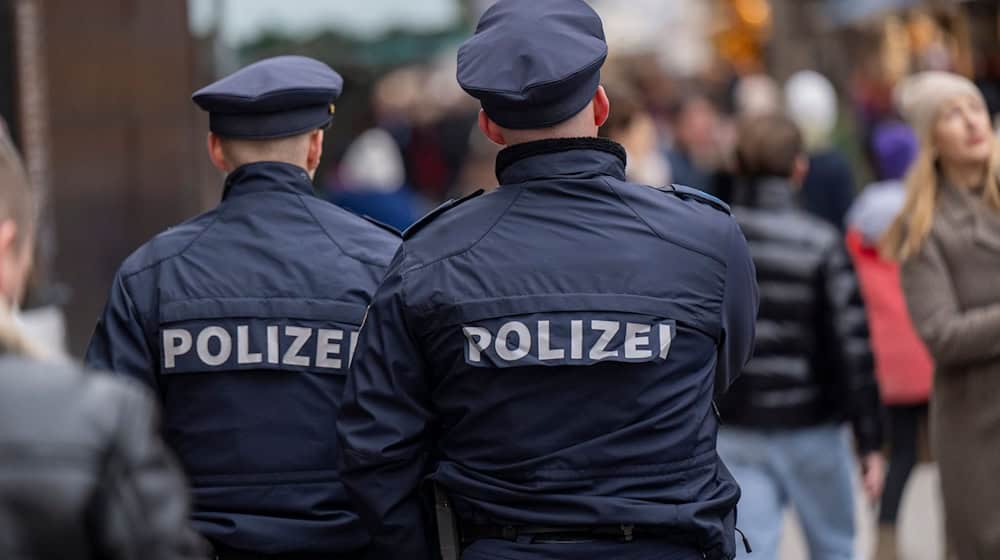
x,y
549,353
244,321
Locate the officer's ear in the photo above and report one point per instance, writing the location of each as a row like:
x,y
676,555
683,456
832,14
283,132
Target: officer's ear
x,y
602,107
216,153
315,153
492,130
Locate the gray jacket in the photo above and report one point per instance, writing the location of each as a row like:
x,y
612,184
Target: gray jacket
x,y
83,473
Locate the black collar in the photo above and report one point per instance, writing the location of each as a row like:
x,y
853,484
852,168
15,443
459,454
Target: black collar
x,y
599,154
768,193
267,176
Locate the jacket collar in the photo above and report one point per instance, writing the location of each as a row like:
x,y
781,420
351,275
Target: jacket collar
x,y
560,156
966,211
767,193
267,176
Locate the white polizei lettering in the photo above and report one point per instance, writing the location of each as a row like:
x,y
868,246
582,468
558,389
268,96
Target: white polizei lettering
x,y
636,336
479,340
354,346
292,356
243,353
272,344
175,343
225,346
502,347
325,346
576,340
610,329
545,351
666,337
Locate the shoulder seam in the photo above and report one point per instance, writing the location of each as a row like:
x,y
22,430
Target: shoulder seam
x,y
472,245
653,230
330,237
160,261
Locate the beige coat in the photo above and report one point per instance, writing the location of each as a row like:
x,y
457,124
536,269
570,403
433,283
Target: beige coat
x,y
952,288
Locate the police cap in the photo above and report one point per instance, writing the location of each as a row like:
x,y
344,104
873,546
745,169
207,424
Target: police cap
x,y
534,63
272,98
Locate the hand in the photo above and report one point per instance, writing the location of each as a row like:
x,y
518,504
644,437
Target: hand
x,y
873,475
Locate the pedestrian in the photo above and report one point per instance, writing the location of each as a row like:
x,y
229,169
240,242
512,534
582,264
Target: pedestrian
x,y
696,157
828,189
244,320
902,365
947,238
84,472
811,371
632,126
542,359
372,181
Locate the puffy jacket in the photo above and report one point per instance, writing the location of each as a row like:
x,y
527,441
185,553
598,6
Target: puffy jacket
x,y
902,363
813,362
84,474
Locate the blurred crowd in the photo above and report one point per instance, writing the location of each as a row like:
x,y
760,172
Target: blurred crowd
x,y
872,210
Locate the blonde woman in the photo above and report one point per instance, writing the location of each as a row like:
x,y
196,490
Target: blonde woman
x,y
83,473
948,239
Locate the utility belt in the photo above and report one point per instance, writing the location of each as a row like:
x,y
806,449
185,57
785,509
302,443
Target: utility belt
x,y
223,553
547,534
455,535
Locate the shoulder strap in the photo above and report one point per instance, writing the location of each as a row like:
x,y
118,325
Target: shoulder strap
x,y
382,225
689,193
433,214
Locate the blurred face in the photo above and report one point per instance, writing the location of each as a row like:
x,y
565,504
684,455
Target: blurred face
x,y
697,125
962,132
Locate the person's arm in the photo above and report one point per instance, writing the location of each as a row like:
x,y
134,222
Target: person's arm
x,y
141,507
383,424
850,348
739,312
119,343
954,337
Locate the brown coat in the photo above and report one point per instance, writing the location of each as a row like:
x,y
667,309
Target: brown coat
x,y
952,288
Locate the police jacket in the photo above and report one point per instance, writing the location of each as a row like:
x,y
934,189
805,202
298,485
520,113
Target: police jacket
x,y
84,473
813,362
244,320
548,353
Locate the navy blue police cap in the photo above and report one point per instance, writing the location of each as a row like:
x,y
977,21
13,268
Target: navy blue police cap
x,y
534,63
272,98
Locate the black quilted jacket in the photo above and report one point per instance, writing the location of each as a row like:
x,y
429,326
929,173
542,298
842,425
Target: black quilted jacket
x,y
813,362
83,473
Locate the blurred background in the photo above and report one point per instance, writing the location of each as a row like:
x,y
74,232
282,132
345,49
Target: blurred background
x,y
96,95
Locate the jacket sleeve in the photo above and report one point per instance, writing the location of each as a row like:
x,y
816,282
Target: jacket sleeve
x,y
850,348
141,508
383,427
739,312
954,337
119,343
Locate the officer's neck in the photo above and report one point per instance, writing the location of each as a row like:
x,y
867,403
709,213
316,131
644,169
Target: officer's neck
x,y
236,164
515,137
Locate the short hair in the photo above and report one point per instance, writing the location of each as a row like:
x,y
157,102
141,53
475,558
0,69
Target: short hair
x,y
18,201
240,151
767,146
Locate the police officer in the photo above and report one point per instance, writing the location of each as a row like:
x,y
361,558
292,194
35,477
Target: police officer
x,y
546,355
245,318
